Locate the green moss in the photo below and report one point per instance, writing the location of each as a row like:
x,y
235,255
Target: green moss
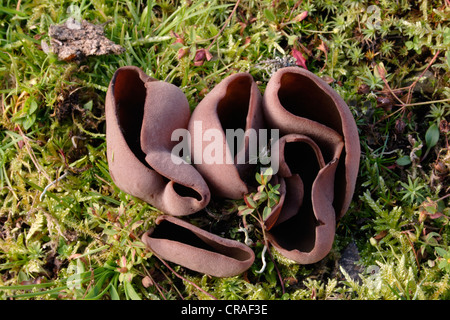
x,y
363,49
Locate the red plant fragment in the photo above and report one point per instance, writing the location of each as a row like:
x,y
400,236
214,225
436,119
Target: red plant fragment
x,y
300,60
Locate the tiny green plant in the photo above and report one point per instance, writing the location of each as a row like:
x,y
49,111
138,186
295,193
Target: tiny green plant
x,y
259,204
443,258
67,232
414,191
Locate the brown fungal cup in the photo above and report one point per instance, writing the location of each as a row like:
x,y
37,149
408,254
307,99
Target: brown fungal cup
x,y
235,103
318,154
318,161
141,114
180,242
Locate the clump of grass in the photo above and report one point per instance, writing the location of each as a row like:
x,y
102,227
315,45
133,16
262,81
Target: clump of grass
x,y
66,231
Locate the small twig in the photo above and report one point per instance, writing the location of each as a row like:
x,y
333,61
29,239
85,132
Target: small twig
x,y
225,24
411,87
170,282
390,89
424,103
180,276
91,283
414,250
443,197
102,180
32,155
155,283
52,183
3,104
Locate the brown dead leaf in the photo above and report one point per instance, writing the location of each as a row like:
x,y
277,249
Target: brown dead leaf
x,y
200,56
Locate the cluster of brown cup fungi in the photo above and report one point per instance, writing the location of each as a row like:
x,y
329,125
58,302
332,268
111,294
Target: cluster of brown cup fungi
x,y
318,158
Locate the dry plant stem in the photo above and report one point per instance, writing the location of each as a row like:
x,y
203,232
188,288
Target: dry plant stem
x,y
102,180
414,250
410,89
91,283
181,277
421,75
172,285
32,155
225,24
425,102
169,280
155,284
443,197
390,89
184,279
3,104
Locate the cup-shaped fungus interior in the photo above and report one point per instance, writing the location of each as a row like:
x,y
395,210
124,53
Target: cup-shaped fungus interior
x,y
173,232
299,231
129,95
233,108
301,96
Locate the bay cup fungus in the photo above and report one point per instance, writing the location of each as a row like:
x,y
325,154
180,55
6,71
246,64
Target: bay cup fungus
x,y
319,152
180,242
314,155
141,114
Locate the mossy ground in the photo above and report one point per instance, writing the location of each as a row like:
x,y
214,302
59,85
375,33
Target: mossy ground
x,y
79,237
